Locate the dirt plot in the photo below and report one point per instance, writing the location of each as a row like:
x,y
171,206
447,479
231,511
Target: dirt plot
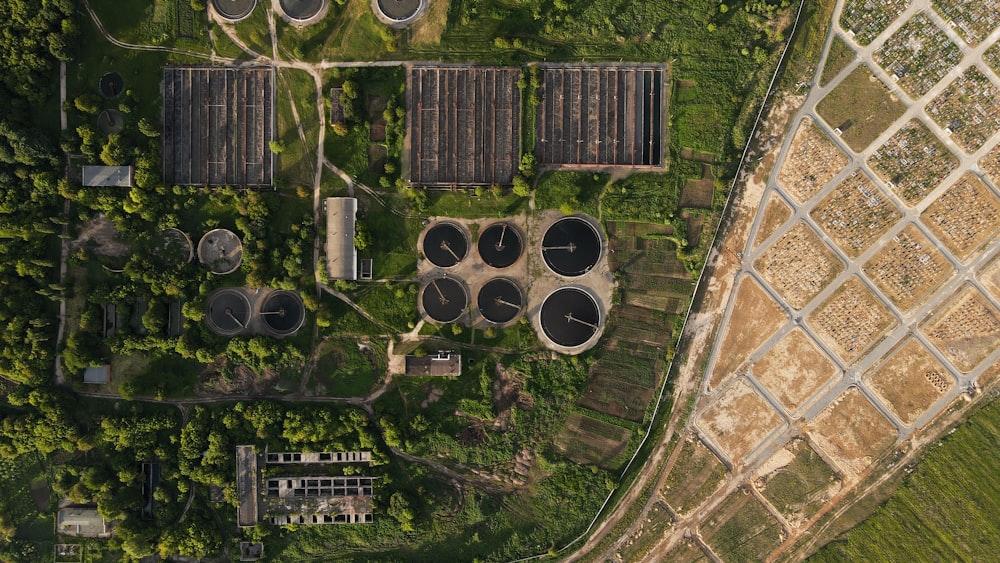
x,y
851,320
589,441
798,265
741,529
990,277
812,161
908,268
968,108
855,214
910,381
464,125
852,432
685,551
696,474
739,419
990,164
794,369
616,398
972,19
862,107
776,212
217,123
377,155
912,162
797,482
965,330
602,115
754,319
699,193
965,216
651,528
918,55
865,20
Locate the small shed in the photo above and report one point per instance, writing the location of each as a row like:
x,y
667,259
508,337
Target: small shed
x,y
98,375
108,176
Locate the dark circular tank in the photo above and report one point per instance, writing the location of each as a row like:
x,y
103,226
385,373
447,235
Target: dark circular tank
x,y
301,9
399,10
444,299
500,300
111,85
571,246
283,312
500,245
570,317
234,10
228,312
446,244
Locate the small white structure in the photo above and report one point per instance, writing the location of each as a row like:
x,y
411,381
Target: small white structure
x,y
341,254
83,522
108,176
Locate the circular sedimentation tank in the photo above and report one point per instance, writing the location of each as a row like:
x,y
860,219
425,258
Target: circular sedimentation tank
x,y
444,299
571,246
283,312
174,248
234,10
302,10
500,301
500,245
111,85
110,121
570,317
221,250
399,11
228,311
446,244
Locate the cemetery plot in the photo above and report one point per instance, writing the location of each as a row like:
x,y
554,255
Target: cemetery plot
x,y
966,330
798,265
794,369
990,164
865,20
918,56
696,474
968,109
910,381
855,214
812,161
908,268
852,432
464,125
965,217
775,214
851,320
992,57
741,529
739,419
217,123
990,277
602,115
796,481
754,319
588,441
912,162
972,19
861,108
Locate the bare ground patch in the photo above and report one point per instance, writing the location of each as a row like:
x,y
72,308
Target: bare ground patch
x,y
794,369
739,419
852,432
910,381
754,319
775,214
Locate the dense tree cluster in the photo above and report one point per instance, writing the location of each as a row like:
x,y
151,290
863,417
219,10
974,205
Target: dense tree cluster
x,y
36,36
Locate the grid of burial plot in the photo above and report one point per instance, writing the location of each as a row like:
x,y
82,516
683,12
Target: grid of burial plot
x,y
601,115
465,125
217,123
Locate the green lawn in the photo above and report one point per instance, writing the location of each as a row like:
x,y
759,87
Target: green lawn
x,y
571,191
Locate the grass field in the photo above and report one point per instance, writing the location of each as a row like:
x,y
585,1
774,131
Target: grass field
x,y
837,59
343,370
946,510
861,107
695,475
798,489
741,529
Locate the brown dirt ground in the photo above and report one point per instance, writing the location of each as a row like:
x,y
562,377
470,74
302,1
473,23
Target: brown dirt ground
x,y
755,318
852,433
851,320
908,268
798,265
102,231
775,214
965,330
794,369
910,381
812,160
738,420
792,461
965,216
696,474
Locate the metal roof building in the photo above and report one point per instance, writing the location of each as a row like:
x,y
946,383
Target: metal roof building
x,y
110,176
341,254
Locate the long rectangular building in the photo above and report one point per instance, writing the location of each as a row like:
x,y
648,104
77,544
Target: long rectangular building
x,y
602,115
217,126
341,253
463,125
